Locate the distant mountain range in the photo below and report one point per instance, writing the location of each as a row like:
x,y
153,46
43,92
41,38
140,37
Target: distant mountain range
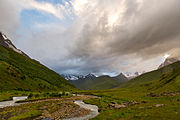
x,y
19,72
91,82
78,77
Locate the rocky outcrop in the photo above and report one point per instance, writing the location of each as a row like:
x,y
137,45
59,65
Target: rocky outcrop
x,y
168,61
115,105
4,41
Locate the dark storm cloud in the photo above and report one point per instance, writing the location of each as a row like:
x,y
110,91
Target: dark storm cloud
x,y
145,30
105,35
152,30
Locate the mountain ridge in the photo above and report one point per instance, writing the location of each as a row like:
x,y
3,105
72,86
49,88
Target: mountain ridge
x,y
19,72
99,83
4,41
78,77
157,79
168,61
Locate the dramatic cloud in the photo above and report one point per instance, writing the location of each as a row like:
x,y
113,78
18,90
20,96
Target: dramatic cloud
x,y
147,28
112,32
8,16
103,36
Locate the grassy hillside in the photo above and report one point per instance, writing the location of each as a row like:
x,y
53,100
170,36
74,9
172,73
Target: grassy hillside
x,y
18,72
166,77
151,96
99,83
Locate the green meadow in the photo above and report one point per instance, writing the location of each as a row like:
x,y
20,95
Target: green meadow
x,y
151,96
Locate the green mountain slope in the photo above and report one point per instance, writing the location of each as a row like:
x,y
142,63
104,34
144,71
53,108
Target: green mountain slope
x,y
151,96
166,78
18,72
100,83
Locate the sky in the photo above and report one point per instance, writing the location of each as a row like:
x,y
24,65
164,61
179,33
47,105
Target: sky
x,y
94,36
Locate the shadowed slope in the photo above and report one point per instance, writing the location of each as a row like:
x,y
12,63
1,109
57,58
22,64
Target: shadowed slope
x,y
19,72
100,83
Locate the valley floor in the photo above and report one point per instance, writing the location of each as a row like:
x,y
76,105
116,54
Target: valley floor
x,y
117,104
53,108
122,104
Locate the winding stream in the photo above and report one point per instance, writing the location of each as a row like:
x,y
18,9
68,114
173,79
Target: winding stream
x,y
93,108
12,102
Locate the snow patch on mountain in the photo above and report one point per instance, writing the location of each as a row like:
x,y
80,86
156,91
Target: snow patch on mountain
x,y
78,77
168,61
4,36
4,41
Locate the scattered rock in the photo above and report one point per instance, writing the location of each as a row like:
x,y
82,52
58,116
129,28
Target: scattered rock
x,y
170,93
152,95
159,105
119,106
113,103
164,94
131,103
116,106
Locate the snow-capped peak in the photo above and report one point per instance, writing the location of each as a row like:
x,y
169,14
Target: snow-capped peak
x,y
4,41
168,60
78,77
70,77
4,36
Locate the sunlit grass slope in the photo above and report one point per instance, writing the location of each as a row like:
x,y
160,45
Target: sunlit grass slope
x,y
141,96
164,79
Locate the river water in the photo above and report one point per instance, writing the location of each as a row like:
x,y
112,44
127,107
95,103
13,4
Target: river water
x,y
93,108
12,102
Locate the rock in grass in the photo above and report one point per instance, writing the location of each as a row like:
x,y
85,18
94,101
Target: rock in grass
x,y
159,105
116,106
119,106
